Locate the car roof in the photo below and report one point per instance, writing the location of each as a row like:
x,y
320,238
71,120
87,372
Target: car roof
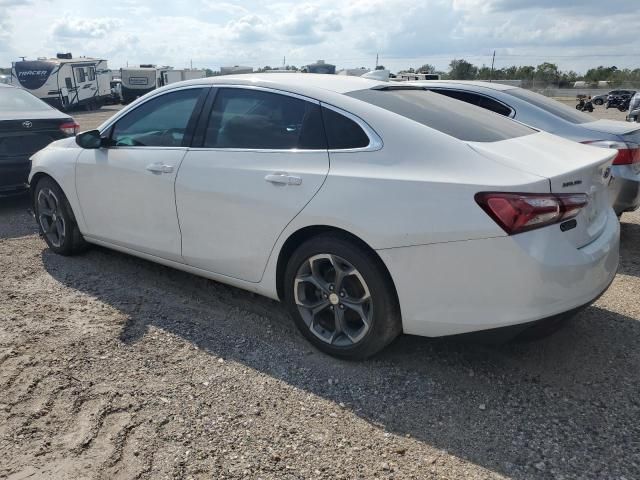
x,y
294,81
468,83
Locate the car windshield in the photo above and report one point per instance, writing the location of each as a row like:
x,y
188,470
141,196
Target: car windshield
x,y
17,100
453,117
550,105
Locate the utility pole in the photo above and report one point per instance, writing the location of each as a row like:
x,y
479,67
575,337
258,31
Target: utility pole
x,y
493,61
284,61
376,61
191,63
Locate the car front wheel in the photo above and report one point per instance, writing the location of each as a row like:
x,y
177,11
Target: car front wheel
x,y
55,219
341,297
598,101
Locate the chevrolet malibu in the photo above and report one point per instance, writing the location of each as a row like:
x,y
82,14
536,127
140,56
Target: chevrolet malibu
x,y
368,209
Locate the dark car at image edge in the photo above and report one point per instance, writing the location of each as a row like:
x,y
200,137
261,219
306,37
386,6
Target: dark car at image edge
x,y
27,125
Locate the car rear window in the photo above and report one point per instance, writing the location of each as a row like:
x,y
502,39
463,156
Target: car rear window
x,y
17,100
550,105
458,119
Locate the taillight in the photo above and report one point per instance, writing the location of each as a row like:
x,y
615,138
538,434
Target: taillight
x,y
628,153
69,128
521,212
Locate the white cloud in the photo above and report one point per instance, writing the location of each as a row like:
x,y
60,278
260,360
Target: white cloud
x,y
404,32
70,27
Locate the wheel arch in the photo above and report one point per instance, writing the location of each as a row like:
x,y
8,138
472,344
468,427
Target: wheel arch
x,y
301,235
33,183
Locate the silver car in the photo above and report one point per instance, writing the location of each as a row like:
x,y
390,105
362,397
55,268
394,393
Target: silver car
x,y
549,115
634,109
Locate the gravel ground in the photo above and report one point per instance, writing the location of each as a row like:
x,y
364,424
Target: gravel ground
x,y
114,367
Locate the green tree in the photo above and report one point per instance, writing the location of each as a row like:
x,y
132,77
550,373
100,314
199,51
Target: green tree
x,y
547,73
426,68
460,69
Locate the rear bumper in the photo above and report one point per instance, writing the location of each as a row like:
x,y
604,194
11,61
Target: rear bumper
x,y
469,286
625,188
14,174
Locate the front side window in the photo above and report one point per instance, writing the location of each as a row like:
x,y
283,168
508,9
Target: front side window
x,y
92,74
68,83
255,119
160,122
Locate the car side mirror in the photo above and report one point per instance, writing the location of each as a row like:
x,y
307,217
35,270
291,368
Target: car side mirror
x,y
91,140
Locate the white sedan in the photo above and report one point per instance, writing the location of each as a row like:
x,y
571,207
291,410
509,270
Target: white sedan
x,y
369,209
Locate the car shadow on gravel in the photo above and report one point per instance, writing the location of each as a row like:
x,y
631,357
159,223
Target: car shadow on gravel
x,y
548,408
630,248
15,219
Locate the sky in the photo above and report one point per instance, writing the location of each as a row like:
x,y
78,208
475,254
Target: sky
x,y
575,34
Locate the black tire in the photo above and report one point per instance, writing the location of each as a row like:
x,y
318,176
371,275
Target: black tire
x,y
385,321
598,101
70,242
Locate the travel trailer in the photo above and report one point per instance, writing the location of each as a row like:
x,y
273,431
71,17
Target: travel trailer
x,y
408,76
138,81
65,82
173,76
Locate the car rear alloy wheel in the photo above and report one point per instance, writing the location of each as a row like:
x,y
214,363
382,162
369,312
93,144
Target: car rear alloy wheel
x,y
333,300
341,296
51,217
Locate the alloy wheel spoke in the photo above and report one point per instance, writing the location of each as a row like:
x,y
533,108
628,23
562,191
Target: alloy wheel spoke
x,y
59,226
341,272
319,284
319,280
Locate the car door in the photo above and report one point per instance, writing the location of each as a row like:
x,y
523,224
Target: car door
x,y
261,159
126,191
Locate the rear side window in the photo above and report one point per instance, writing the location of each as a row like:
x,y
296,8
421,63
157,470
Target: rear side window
x,y
255,119
342,132
550,105
18,100
460,120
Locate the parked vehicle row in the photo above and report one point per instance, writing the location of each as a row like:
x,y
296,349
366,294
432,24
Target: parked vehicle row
x,y
368,208
602,99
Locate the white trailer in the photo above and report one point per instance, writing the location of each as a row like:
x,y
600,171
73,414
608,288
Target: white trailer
x,y
138,81
173,76
65,82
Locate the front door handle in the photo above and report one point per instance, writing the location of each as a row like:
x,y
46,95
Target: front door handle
x,y
283,179
160,168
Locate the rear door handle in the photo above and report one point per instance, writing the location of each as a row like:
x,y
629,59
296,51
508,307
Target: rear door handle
x,y
283,179
160,168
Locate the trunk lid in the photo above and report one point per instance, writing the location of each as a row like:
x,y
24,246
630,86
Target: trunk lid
x,y
570,168
22,138
611,126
